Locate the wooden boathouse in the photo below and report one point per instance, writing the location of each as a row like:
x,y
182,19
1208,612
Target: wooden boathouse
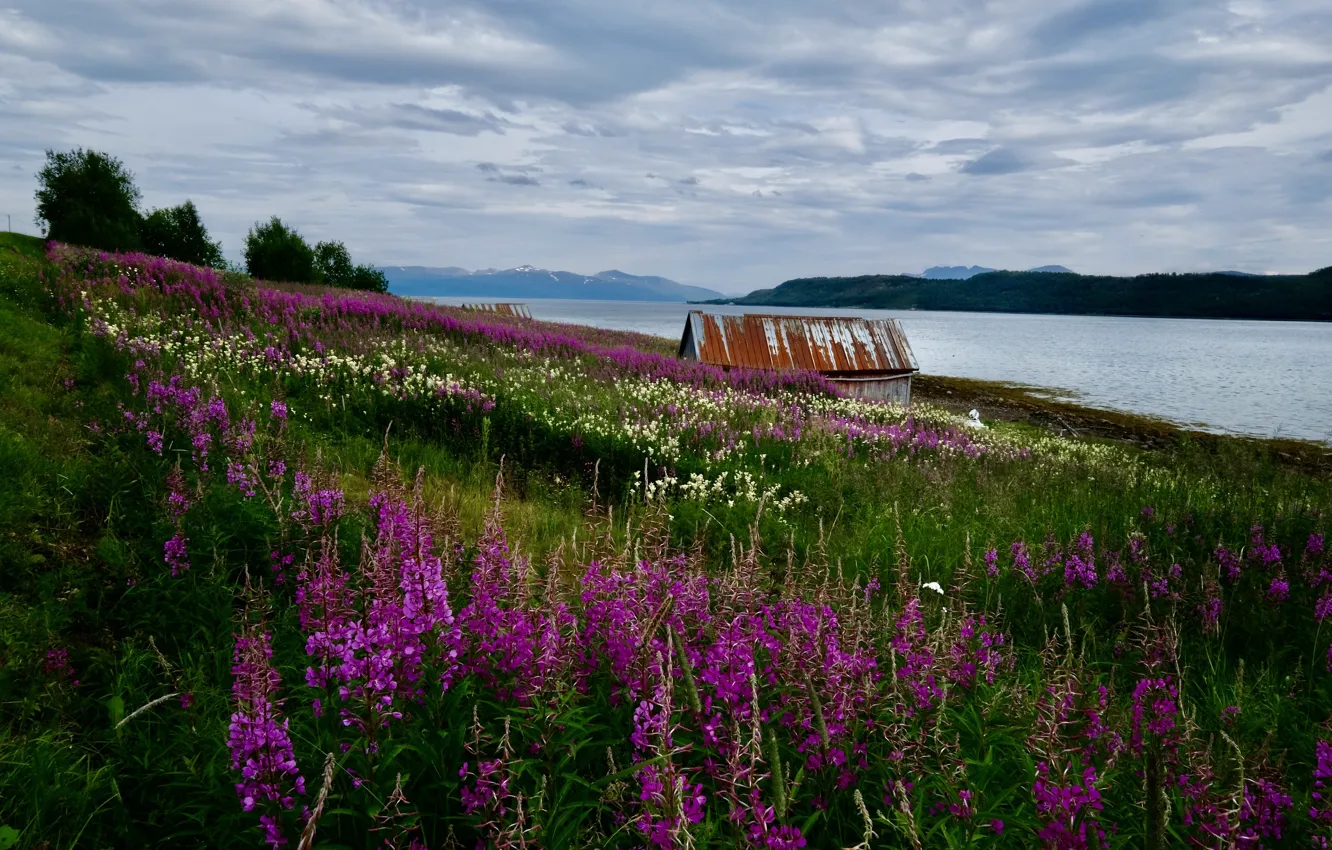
x,y
864,358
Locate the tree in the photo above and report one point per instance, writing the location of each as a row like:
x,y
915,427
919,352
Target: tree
x,y
333,266
177,232
274,251
370,279
88,198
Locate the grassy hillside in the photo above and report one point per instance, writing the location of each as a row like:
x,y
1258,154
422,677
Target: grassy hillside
x,y
284,561
1218,296
29,247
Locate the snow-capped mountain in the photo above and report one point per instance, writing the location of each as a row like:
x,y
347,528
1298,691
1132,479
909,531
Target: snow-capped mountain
x,y
965,272
532,282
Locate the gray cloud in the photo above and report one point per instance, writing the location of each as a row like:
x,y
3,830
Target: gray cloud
x,y
997,161
778,139
411,116
1096,19
950,146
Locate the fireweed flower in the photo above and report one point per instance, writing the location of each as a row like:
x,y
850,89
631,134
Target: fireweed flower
x,y
175,553
1267,555
1229,563
1069,805
316,506
374,641
238,477
1022,560
1155,713
1210,612
1279,589
258,737
670,802
1321,810
1079,572
1115,573
57,665
513,647
1323,608
1263,812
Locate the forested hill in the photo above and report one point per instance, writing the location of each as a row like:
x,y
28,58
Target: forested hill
x,y
1218,296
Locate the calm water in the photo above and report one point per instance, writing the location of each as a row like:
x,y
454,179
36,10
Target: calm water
x,y
1260,378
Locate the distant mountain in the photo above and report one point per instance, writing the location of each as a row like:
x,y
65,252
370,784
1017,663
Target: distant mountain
x,y
953,272
1053,269
531,282
968,272
1052,289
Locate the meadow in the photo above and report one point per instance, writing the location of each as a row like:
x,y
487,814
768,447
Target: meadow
x,y
291,566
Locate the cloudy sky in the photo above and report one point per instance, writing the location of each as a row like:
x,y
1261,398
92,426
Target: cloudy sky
x,y
727,143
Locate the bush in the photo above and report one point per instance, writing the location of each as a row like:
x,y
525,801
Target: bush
x,y
178,233
333,266
274,251
88,198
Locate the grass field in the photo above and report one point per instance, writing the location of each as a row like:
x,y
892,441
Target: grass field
x,y
283,564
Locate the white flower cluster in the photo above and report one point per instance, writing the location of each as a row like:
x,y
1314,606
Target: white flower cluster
x,y
727,487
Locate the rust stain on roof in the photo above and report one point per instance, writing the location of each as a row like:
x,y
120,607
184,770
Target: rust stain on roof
x,y
500,309
827,344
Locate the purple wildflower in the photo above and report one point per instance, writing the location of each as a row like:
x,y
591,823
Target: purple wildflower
x,y
258,738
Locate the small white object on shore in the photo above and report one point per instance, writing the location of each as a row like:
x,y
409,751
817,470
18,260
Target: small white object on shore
x,y
973,420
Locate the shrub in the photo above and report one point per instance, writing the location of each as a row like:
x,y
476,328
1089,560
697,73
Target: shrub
x,y
274,251
333,265
178,233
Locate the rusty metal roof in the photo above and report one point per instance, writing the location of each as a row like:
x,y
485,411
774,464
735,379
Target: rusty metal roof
x,y
501,309
828,344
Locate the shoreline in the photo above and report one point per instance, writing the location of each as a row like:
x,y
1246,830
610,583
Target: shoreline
x,y
1028,407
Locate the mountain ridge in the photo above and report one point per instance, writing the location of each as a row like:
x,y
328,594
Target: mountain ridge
x,y
1216,295
968,272
528,281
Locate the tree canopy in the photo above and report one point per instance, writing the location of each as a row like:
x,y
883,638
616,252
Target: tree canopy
x,y
86,197
178,232
333,266
274,251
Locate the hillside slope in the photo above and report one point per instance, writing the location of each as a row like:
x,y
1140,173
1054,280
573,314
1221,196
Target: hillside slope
x,y
1218,295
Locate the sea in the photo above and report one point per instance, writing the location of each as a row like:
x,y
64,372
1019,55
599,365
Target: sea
x,y
1264,379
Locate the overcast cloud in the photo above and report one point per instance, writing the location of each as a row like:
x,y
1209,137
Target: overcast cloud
x,y
732,144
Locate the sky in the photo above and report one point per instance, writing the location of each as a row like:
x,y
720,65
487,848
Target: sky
x,y
732,144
